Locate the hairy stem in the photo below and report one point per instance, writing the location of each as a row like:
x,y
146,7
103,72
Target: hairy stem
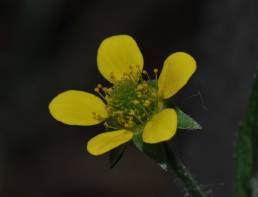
x,y
175,166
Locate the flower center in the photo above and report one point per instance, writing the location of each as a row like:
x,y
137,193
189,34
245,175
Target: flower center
x,y
130,102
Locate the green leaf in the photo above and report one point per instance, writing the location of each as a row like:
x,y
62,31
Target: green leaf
x,y
186,122
247,149
115,155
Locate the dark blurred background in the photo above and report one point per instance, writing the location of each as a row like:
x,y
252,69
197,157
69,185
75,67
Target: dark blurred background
x,y
48,46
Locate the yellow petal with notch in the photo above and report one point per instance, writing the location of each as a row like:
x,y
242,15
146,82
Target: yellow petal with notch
x,y
118,55
107,141
161,127
75,107
176,71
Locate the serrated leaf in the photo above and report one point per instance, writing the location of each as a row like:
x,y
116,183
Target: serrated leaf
x,y
115,155
186,122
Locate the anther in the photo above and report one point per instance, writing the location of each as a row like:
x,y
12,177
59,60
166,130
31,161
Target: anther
x,y
139,87
107,90
131,118
119,113
132,113
99,93
107,125
139,94
156,78
147,103
131,123
96,89
146,73
155,70
135,102
126,125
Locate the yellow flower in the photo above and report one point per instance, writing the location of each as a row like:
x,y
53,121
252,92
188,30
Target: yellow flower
x,y
134,102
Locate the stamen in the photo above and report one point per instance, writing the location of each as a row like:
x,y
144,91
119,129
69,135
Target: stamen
x,y
146,73
139,94
99,93
131,123
138,117
126,125
135,102
147,103
107,125
129,76
139,72
132,113
139,87
155,70
157,86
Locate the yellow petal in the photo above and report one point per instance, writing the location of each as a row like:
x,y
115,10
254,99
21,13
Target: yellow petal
x,y
161,127
107,141
118,55
75,107
177,70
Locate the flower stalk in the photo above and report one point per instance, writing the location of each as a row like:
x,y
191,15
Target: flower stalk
x,y
162,154
175,166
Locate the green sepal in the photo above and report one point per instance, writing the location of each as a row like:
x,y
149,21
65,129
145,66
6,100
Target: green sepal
x,y
154,151
186,122
116,154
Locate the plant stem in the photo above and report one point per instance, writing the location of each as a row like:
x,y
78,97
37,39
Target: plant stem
x,y
175,166
168,161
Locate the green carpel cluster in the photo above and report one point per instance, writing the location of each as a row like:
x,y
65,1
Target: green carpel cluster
x,y
130,103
